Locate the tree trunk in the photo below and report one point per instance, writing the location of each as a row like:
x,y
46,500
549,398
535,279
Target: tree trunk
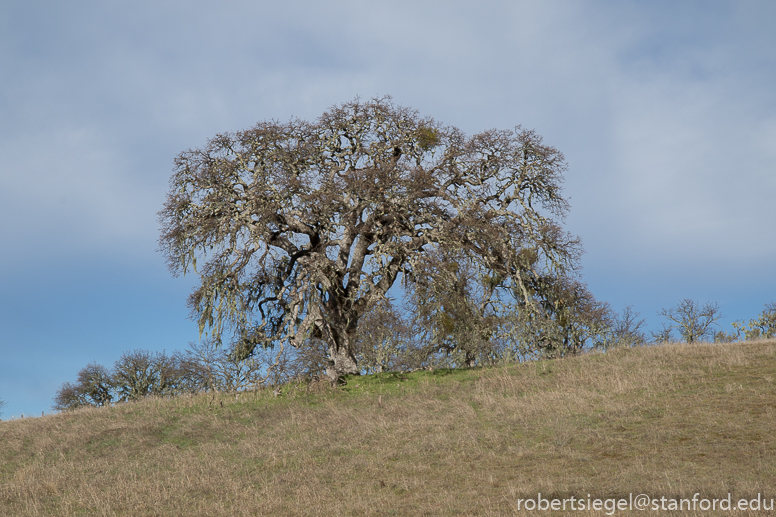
x,y
341,362
341,358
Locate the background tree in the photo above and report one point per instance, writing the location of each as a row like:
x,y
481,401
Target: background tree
x,y
2,405
723,337
692,321
764,327
627,328
140,373
383,338
303,226
561,318
456,306
70,396
96,383
192,373
94,387
211,367
664,335
308,362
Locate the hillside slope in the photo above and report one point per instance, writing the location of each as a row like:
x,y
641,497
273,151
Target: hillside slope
x,y
669,421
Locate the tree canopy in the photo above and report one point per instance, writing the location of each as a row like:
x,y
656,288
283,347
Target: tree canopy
x,y
296,229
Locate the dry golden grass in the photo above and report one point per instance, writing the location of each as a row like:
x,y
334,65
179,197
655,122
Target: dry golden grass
x,y
665,421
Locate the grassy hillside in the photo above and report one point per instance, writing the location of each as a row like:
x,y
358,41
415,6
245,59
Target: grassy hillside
x,y
664,421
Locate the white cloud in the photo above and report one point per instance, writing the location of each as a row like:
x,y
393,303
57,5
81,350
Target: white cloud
x,y
690,163
656,107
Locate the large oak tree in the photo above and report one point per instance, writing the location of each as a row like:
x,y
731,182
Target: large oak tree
x,y
296,229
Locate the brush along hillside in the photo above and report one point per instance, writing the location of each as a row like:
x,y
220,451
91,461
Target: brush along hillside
x,y
668,421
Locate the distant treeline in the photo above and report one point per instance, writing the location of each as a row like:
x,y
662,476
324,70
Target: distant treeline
x,y
390,340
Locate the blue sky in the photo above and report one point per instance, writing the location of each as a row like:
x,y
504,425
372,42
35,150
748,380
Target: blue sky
x,y
665,111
